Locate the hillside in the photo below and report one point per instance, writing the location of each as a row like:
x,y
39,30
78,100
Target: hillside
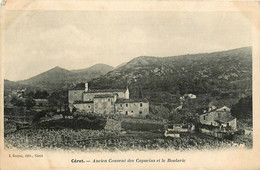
x,y
101,68
57,77
10,85
222,75
54,74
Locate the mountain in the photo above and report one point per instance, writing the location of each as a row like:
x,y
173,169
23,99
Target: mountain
x,y
120,65
54,74
11,85
221,75
101,68
57,77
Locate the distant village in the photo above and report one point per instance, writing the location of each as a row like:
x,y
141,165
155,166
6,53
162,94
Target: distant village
x,y
215,122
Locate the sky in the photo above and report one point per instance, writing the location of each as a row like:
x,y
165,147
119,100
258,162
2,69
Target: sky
x,y
36,41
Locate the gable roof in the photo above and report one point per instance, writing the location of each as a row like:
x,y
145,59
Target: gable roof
x,y
225,119
223,109
104,96
77,88
105,90
131,100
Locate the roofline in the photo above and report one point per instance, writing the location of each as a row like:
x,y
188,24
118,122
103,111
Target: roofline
x,y
132,101
103,97
104,91
76,89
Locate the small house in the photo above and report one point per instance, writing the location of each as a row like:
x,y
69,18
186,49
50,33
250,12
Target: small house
x,y
221,118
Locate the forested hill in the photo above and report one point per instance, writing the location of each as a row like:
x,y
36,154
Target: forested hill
x,y
222,74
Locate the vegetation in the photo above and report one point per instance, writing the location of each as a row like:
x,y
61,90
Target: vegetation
x,y
82,123
60,78
41,94
222,77
243,112
164,80
142,125
17,102
100,140
243,109
29,103
58,99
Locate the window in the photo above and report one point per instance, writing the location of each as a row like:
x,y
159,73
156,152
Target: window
x,y
204,117
126,112
141,104
140,112
109,100
121,105
88,106
126,105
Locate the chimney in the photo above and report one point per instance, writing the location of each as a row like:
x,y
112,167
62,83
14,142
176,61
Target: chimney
x,y
86,87
127,93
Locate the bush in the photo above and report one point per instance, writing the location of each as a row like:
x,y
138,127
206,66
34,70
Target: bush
x,y
38,116
243,109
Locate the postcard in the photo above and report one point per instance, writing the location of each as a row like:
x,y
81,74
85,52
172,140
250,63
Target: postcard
x,y
130,84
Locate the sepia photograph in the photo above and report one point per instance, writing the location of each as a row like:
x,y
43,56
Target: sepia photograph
x,y
119,81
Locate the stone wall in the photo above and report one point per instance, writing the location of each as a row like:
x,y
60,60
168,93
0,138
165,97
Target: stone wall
x,y
137,109
104,105
86,107
75,95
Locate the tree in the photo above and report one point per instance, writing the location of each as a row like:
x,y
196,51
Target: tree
x,y
41,94
13,100
58,100
54,100
29,103
17,102
38,116
175,117
30,94
243,109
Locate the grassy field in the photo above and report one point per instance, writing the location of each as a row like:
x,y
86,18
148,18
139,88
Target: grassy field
x,y
138,124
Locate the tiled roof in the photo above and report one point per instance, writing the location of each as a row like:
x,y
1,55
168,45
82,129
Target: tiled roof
x,y
225,119
80,102
77,88
214,110
103,96
131,100
105,90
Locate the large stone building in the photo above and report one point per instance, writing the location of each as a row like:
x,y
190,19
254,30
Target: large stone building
x,y
109,101
219,118
130,107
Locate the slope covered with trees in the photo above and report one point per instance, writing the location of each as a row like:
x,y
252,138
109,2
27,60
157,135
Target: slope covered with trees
x,y
243,109
223,75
